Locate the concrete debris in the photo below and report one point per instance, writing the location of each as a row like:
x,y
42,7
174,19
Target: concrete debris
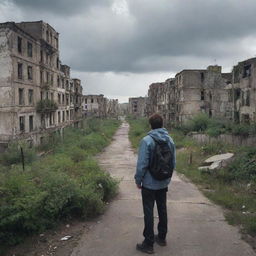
x,y
216,162
220,157
65,238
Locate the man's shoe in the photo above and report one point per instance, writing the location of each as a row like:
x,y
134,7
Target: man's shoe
x,y
159,241
143,247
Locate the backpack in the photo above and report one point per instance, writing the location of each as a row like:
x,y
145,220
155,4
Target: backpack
x,y
161,165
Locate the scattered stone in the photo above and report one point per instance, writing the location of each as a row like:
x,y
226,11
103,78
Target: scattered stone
x,y
215,165
67,226
65,238
220,157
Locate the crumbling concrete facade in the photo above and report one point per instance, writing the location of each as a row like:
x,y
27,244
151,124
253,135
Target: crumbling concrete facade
x,y
31,73
99,106
191,92
137,106
244,91
94,106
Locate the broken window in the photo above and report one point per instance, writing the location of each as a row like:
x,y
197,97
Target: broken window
x,y
20,71
237,93
52,95
19,44
91,100
59,98
21,96
202,77
67,99
63,116
22,123
62,83
202,94
85,101
247,70
30,96
58,81
59,117
67,114
31,123
246,118
57,63
41,95
30,49
67,85
247,100
41,77
30,73
63,99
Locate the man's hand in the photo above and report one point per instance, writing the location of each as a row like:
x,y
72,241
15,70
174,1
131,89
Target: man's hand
x,y
138,186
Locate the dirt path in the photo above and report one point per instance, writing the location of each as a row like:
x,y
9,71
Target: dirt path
x,y
196,226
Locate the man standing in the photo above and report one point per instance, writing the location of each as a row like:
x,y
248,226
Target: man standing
x,y
152,188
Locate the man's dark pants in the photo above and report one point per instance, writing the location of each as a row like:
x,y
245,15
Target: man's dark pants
x,y
149,197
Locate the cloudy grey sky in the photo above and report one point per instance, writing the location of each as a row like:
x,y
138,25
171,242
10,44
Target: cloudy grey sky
x,y
119,47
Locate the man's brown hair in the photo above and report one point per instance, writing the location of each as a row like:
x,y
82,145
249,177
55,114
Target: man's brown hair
x,y
156,121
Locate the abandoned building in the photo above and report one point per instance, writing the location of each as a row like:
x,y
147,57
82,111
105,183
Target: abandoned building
x,y
37,95
137,106
222,95
94,105
244,88
99,106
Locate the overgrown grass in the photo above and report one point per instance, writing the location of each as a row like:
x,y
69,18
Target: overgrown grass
x,y
214,126
234,187
138,129
66,183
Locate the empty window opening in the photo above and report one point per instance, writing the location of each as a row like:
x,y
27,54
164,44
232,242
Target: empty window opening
x,y
247,100
237,93
30,49
202,94
19,44
22,123
21,96
247,70
202,77
20,71
30,97
31,123
30,73
59,117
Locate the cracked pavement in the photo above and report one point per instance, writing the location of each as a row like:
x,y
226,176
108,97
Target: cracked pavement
x,y
197,227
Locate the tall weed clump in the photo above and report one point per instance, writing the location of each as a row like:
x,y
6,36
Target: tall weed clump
x,y
67,183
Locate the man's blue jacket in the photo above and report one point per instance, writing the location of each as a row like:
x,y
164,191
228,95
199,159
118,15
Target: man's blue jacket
x,y
146,149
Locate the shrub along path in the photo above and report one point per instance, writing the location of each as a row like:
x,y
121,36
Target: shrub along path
x,y
196,226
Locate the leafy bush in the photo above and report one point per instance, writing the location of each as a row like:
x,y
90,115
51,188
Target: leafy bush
x,y
66,183
13,154
46,106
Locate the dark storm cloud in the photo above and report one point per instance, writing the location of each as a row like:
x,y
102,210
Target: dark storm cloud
x,y
59,7
148,35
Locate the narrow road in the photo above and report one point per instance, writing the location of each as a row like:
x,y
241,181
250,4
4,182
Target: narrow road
x,y
196,226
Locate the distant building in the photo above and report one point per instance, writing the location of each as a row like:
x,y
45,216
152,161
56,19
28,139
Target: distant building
x,y
94,105
137,106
